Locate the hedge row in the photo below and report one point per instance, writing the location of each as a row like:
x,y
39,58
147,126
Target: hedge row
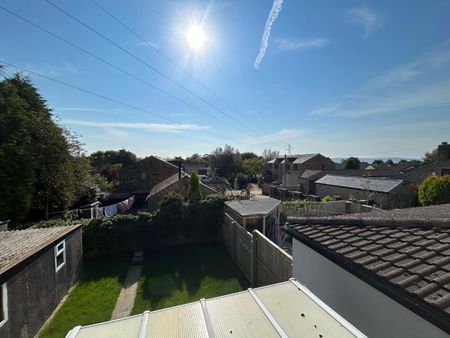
x,y
175,222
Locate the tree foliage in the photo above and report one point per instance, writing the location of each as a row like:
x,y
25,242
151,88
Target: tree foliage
x,y
122,158
226,162
42,163
431,156
17,166
269,154
194,192
435,190
351,163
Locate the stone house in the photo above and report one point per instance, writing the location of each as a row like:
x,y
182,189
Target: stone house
x,y
141,177
386,193
173,184
385,271
295,165
37,269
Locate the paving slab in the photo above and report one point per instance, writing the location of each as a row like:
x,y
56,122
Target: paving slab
x,y
127,295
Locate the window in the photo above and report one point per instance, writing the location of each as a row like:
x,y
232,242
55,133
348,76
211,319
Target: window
x,y
3,305
60,255
143,175
295,167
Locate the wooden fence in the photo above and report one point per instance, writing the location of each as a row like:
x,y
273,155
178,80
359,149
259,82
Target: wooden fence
x,y
261,260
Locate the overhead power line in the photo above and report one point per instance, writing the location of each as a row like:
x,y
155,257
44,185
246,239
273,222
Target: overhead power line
x,y
117,67
163,75
104,97
167,58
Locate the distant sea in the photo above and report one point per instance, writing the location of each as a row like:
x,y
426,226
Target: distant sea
x,y
371,159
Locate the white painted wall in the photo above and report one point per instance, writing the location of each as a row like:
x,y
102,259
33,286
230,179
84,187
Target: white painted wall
x,y
368,309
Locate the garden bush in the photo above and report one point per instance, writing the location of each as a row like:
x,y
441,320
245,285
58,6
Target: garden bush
x,y
435,190
175,222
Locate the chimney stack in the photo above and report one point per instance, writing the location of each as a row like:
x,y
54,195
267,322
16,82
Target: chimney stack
x,y
444,151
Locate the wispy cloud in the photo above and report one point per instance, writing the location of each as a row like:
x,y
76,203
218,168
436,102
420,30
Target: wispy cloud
x,y
423,83
274,12
119,126
88,109
291,44
366,18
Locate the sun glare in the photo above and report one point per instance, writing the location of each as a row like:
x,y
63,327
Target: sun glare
x,y
196,37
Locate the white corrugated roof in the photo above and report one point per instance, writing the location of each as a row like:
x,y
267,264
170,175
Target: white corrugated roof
x,y
286,309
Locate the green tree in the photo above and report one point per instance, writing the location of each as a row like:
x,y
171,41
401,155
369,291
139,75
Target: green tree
x,y
435,190
431,156
122,157
253,166
16,160
248,156
42,162
194,192
351,163
226,162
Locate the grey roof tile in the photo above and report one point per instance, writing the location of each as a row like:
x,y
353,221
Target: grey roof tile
x,y
413,258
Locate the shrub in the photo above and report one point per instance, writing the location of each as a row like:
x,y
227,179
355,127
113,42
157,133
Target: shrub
x,y
435,190
194,193
327,198
174,223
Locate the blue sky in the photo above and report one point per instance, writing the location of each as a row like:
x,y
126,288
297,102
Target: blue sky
x,y
365,78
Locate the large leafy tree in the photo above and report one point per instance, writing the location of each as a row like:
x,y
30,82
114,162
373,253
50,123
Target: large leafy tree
x,y
42,162
351,163
16,160
122,157
226,162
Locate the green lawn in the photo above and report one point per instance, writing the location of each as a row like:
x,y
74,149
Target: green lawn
x,y
94,298
186,274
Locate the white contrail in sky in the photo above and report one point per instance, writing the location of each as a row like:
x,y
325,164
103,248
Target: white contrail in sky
x,y
276,9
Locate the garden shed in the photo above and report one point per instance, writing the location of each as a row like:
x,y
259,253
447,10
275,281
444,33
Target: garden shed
x,y
254,213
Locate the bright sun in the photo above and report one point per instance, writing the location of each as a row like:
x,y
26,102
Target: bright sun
x,y
196,37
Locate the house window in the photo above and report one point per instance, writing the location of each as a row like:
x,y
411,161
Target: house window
x,y
3,305
295,167
143,175
60,255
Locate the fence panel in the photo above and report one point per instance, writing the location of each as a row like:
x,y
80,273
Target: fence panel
x,y
261,260
273,264
238,242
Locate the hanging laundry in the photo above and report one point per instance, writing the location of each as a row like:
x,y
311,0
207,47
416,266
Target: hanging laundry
x,y
100,212
126,205
110,210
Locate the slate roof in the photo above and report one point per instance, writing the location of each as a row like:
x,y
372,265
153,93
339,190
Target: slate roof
x,y
409,263
19,245
254,206
302,158
361,183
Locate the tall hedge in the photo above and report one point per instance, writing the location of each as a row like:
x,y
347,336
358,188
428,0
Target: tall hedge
x,y
174,223
435,190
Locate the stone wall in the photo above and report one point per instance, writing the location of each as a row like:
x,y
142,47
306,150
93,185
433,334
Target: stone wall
x,y
400,197
144,175
180,187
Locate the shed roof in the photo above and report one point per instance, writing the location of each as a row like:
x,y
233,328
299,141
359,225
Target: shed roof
x,y
361,183
408,263
286,309
18,245
253,206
